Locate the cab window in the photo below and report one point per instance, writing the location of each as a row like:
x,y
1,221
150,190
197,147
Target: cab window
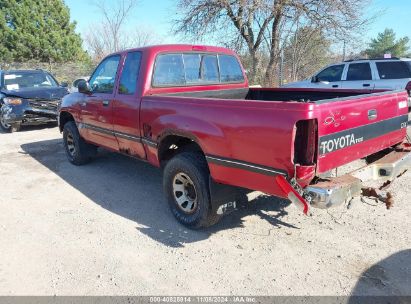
x,y
129,75
192,64
359,71
331,74
209,68
104,77
230,69
169,71
186,69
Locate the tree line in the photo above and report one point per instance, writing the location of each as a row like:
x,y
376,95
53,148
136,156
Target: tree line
x,y
276,39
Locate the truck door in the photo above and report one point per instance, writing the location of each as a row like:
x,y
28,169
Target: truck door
x,y
97,108
126,107
359,77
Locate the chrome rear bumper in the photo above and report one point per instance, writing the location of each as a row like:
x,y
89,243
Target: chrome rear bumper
x,y
334,191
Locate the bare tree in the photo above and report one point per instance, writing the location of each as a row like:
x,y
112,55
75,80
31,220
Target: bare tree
x,y
261,24
305,52
110,35
115,16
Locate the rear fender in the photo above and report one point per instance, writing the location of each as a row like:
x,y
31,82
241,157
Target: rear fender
x,y
195,129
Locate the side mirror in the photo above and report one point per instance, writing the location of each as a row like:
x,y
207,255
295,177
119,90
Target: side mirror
x,y
64,85
84,87
76,82
314,79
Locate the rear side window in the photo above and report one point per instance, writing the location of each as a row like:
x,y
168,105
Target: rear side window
x,y
169,71
394,70
359,71
230,69
331,74
128,80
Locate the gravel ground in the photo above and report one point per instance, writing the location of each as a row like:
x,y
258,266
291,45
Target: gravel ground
x,y
105,229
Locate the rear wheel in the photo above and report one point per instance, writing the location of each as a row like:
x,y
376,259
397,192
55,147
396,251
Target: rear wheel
x,y
186,186
77,150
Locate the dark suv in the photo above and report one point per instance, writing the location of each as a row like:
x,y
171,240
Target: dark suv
x,y
28,97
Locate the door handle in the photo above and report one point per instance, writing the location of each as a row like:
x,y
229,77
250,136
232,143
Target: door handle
x,y
366,85
335,86
372,114
106,103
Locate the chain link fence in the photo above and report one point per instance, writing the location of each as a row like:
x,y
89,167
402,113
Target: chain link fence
x,y
63,72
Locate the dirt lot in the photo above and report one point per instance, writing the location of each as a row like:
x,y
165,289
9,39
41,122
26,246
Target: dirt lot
x,y
105,229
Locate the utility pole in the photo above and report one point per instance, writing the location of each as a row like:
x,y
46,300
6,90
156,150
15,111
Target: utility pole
x,y
344,47
281,67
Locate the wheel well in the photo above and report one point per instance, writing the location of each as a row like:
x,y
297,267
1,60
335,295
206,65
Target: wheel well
x,y
173,145
65,117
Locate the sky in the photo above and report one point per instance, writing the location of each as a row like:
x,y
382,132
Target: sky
x,y
157,15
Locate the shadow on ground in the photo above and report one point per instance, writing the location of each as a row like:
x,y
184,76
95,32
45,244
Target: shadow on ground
x,y
388,281
133,189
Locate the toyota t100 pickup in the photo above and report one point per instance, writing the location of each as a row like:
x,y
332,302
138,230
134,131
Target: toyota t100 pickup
x,y
189,110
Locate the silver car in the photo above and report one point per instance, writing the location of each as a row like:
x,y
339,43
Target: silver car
x,y
388,74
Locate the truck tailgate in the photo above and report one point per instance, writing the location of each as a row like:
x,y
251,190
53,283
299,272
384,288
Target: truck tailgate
x,y
353,128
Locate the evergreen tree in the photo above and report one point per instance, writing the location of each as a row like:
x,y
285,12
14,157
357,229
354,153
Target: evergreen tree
x,y
385,43
38,30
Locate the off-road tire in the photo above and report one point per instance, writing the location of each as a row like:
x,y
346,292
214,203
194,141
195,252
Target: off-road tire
x,y
195,167
77,150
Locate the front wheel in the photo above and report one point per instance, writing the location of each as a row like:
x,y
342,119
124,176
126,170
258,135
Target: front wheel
x,y
186,186
77,150
8,127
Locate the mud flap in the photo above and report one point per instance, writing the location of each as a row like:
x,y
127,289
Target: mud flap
x,y
224,198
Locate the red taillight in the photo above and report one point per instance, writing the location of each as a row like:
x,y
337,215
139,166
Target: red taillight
x,y
408,87
305,143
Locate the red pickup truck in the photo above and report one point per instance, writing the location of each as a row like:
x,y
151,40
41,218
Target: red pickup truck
x,y
189,110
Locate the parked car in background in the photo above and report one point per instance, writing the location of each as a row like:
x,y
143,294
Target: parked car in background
x,y
189,110
28,97
373,74
74,86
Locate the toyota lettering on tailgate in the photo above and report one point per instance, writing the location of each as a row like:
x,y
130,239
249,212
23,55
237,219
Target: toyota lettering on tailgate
x,y
339,143
340,140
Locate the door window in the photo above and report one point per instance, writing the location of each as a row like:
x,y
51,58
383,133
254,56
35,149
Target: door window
x,y
104,77
129,76
331,74
393,70
359,71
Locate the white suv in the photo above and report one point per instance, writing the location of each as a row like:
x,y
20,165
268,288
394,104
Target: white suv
x,y
389,74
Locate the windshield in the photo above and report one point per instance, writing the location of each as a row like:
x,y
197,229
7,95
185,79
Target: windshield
x,y
23,80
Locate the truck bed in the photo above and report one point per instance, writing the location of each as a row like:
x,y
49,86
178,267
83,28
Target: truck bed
x,y
275,129
277,94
